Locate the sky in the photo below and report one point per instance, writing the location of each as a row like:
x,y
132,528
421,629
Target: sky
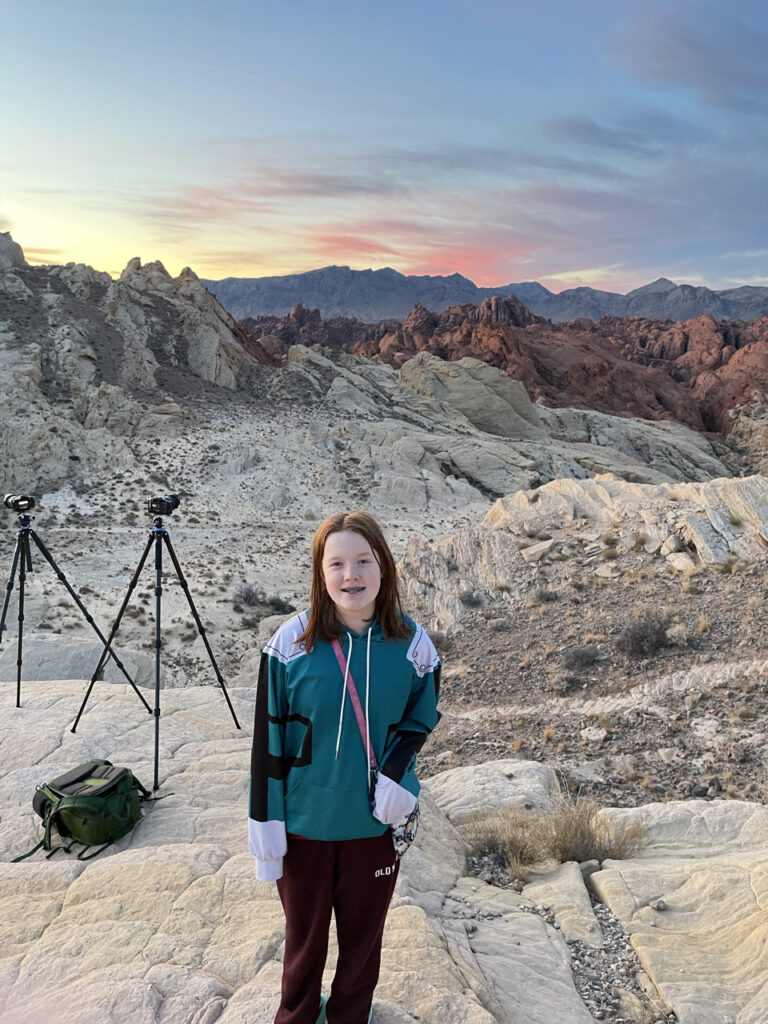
x,y
593,143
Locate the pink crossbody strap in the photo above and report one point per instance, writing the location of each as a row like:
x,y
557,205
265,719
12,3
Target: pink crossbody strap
x,y
352,690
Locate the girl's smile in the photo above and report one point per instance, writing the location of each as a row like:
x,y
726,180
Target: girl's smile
x,y
352,578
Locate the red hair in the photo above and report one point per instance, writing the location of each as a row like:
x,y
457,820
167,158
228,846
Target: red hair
x,y
323,622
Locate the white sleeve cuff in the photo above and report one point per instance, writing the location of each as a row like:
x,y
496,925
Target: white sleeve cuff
x,y
269,870
393,802
267,839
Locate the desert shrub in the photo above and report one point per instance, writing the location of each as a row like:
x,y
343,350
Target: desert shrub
x,y
249,594
579,657
545,596
730,565
647,635
279,606
573,830
254,597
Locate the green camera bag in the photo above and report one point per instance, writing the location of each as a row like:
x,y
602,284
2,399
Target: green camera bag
x,y
93,805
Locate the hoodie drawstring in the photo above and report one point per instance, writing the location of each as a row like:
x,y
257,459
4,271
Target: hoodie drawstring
x,y
344,693
367,699
367,694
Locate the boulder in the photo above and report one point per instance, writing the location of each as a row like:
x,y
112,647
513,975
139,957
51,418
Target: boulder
x,y
464,794
11,253
693,903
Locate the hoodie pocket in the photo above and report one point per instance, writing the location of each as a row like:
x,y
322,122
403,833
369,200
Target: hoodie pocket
x,y
320,812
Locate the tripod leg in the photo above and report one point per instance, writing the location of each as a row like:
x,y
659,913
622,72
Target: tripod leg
x,y
115,627
9,586
158,646
25,564
88,618
198,623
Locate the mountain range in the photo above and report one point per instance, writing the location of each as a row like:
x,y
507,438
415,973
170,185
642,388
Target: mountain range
x,y
374,295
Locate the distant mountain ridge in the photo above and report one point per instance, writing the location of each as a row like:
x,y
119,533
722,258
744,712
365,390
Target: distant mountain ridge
x,y
374,295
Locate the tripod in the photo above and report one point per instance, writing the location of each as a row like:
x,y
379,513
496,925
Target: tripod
x,y
22,559
158,536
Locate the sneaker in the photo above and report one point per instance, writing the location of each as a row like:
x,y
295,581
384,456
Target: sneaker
x,y
321,1014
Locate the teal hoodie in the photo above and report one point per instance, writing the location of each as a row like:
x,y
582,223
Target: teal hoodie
x,y
309,772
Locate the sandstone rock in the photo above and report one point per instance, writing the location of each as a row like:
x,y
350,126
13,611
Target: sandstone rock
x,y
490,400
57,658
563,890
170,922
708,858
516,952
487,558
536,551
464,793
671,545
681,561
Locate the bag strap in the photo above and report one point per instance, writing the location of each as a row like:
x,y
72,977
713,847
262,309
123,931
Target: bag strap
x,y
358,707
144,793
28,853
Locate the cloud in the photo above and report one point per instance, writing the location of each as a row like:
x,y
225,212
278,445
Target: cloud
x,y
649,133
589,277
750,254
36,255
272,182
330,244
585,131
225,259
270,195
757,281
452,156
501,162
699,45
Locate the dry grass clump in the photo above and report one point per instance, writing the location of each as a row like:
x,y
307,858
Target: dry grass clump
x,y
574,830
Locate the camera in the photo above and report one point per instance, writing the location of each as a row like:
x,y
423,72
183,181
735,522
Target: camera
x,y
19,502
163,506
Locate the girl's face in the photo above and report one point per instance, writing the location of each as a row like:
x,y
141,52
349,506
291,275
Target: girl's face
x,y
352,578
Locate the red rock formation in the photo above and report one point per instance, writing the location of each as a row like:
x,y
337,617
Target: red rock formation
x,y
562,366
306,327
721,361
694,371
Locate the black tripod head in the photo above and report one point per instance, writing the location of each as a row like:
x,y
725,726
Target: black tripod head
x,y
163,506
19,502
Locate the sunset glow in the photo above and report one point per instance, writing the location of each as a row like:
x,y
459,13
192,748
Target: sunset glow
x,y
252,140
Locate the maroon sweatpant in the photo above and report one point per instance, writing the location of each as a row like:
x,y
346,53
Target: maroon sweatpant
x,y
355,879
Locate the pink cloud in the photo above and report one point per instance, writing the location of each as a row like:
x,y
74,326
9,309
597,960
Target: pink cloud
x,y
334,246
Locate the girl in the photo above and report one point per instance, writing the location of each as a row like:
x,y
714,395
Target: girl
x,y
347,695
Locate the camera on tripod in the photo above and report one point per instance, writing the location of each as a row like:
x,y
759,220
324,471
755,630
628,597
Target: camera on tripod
x,y
20,502
163,506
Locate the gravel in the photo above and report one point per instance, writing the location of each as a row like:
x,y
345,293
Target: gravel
x,y
607,977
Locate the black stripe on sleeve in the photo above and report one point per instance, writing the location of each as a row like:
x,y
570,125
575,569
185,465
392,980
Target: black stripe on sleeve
x,y
260,750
